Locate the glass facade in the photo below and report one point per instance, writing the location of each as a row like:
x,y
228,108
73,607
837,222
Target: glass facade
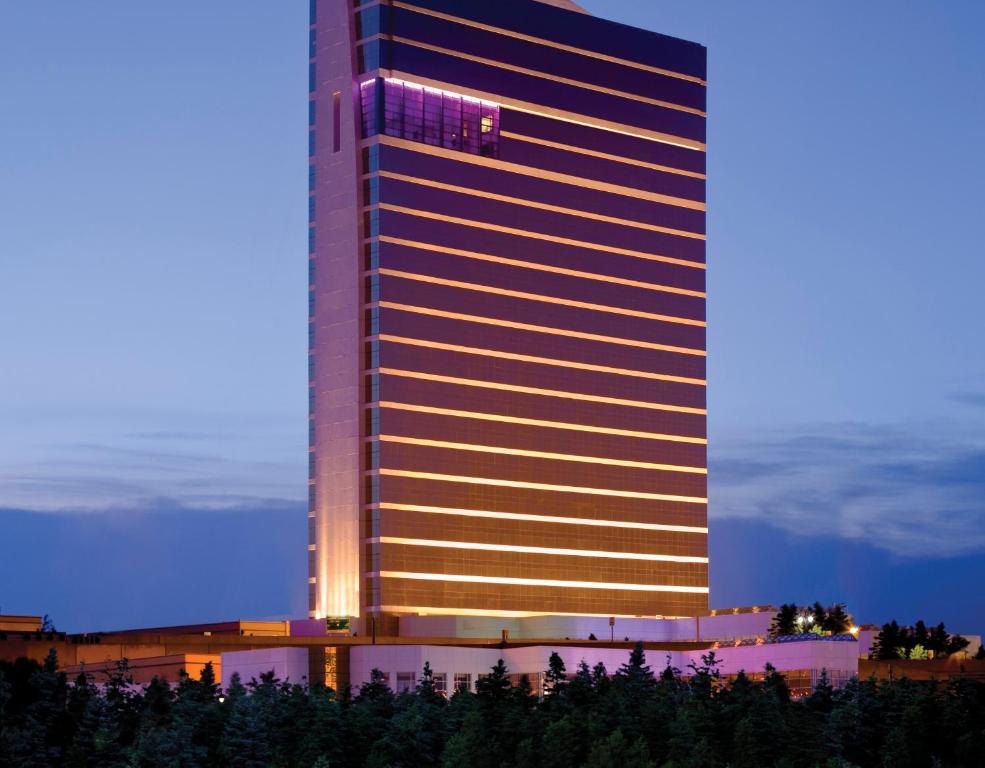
x,y
508,325
430,116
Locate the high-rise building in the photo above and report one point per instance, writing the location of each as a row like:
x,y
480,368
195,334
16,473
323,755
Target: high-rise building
x,y
507,312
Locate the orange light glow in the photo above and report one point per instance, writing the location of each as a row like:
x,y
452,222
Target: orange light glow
x,y
590,121
524,390
445,611
601,155
468,447
549,43
534,550
521,582
547,76
539,486
539,236
547,268
539,297
431,312
551,519
539,423
486,195
537,173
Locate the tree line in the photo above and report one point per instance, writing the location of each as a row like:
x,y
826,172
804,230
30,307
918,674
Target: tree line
x,y
918,642
632,718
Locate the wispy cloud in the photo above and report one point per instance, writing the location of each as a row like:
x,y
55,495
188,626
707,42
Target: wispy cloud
x,y
912,492
974,399
90,462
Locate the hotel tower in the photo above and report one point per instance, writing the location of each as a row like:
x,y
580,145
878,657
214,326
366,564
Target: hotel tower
x,y
506,313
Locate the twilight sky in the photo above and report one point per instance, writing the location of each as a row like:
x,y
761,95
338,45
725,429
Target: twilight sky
x,y
153,281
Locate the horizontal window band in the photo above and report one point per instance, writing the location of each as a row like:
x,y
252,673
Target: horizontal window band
x,y
602,155
550,519
546,268
536,173
550,43
469,447
544,111
540,206
550,361
541,297
539,236
537,486
520,582
498,418
538,329
517,549
548,76
499,614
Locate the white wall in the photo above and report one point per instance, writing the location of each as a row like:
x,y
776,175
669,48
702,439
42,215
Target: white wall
x,y
841,657
721,627
286,663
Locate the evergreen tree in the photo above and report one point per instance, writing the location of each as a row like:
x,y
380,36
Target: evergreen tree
x,y
247,737
837,620
98,742
154,739
888,643
785,621
815,619
854,727
600,679
980,655
564,743
615,752
635,672
556,677
41,734
493,698
123,704
321,729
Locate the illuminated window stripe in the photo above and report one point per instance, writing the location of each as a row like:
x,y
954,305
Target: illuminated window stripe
x,y
538,486
541,297
486,195
539,422
495,547
542,267
433,611
472,448
530,390
602,155
537,173
431,312
548,76
521,582
539,236
590,121
551,519
550,43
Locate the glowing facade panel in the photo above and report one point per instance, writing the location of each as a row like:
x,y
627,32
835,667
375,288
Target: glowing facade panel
x,y
507,313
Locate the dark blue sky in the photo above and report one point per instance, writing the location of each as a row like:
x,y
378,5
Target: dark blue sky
x,y
152,305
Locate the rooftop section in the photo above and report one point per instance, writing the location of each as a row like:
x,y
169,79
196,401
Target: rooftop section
x,y
566,4
20,623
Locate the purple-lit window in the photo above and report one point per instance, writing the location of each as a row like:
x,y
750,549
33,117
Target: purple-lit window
x,y
438,118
